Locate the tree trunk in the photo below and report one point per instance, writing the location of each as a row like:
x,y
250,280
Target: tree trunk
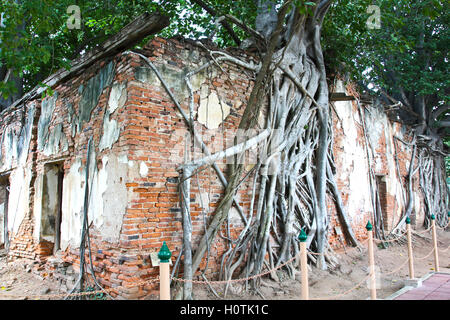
x,y
292,195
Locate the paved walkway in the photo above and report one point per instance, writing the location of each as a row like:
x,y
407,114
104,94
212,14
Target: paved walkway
x,y
435,287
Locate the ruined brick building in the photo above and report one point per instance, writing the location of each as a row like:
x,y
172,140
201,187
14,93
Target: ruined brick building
x,y
138,139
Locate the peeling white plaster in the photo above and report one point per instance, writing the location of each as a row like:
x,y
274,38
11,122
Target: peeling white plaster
x,y
72,206
123,158
10,145
111,130
352,156
234,216
203,198
91,92
212,111
115,199
117,97
56,142
18,197
47,110
16,144
353,159
107,200
98,189
37,209
175,78
143,169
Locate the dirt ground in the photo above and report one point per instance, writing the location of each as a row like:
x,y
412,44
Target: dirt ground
x,y
23,279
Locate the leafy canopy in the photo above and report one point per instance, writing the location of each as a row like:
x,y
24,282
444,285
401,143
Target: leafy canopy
x,y
408,54
35,40
413,38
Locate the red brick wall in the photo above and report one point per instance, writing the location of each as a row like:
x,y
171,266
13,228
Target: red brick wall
x,y
155,134
152,132
22,243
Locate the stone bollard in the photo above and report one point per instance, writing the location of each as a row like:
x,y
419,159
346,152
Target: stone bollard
x,y
436,256
304,265
373,281
410,251
164,255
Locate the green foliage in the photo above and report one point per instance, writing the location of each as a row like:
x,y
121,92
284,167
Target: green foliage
x,y
190,20
410,50
36,41
344,32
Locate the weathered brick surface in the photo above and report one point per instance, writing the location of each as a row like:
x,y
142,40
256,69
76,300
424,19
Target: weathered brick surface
x,y
152,136
386,149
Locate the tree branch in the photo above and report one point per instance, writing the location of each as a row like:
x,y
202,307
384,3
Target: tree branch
x,y
8,74
214,13
401,105
322,9
443,124
245,27
436,113
239,148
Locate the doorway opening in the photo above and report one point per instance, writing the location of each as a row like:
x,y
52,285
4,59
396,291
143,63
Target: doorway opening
x,y
52,192
4,200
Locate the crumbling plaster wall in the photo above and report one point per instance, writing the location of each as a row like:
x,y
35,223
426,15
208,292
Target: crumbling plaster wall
x,y
16,134
18,197
158,135
89,115
139,139
354,154
88,105
351,157
136,175
16,127
392,159
107,200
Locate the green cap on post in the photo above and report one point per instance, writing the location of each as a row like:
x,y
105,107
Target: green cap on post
x,y
408,220
433,217
369,226
302,236
164,253
448,214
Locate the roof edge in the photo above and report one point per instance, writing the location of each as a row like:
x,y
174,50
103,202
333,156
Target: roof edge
x,y
143,26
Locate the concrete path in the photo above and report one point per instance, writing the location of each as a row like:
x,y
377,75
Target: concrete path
x,y
434,287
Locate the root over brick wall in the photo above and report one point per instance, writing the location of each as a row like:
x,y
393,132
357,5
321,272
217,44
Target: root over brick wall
x,y
138,140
